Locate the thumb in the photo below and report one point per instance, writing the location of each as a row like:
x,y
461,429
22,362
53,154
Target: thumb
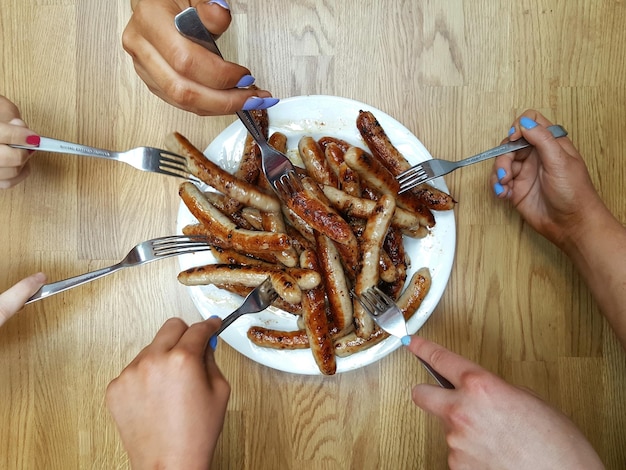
x,y
14,298
215,15
541,138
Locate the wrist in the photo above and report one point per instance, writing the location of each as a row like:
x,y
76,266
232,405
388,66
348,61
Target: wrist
x,y
597,224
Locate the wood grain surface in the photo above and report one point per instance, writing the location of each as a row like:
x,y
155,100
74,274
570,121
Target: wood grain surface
x,y
455,72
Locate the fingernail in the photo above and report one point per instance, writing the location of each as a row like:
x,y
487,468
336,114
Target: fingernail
x,y
252,103
406,340
511,131
245,81
33,140
527,122
220,3
255,102
213,339
498,189
501,173
269,102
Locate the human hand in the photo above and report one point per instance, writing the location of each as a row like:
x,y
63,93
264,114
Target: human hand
x,y
14,298
183,73
548,183
14,165
169,403
490,424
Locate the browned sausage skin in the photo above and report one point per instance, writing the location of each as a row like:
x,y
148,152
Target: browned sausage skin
x,y
316,321
381,147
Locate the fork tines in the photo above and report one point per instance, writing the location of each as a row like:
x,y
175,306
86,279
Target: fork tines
x,y
173,164
412,177
179,244
374,301
288,183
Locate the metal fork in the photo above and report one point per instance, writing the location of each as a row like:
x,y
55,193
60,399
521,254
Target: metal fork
x,y
389,318
143,158
431,169
150,250
276,165
259,299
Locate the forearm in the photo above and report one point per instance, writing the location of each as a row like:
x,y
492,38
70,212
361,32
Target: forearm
x,y
599,254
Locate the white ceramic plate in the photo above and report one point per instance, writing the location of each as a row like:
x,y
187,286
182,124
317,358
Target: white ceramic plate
x,y
319,116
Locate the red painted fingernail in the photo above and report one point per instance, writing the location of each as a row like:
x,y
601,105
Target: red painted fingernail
x,y
33,140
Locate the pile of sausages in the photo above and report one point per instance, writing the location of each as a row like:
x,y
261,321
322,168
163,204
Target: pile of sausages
x,y
341,232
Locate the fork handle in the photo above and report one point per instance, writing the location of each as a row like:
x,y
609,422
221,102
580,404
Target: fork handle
x,y
48,144
557,131
226,322
440,379
54,288
189,24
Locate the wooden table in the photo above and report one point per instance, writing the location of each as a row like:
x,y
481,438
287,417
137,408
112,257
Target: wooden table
x,y
456,73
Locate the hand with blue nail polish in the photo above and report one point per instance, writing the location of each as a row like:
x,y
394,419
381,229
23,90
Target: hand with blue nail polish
x,y
548,183
169,403
491,424
183,73
550,186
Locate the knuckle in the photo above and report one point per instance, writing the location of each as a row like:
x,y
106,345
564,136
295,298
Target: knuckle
x,y
183,62
175,321
128,41
458,419
181,357
180,93
476,382
437,356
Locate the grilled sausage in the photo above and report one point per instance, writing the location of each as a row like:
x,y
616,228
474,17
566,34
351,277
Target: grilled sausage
x,y
218,178
222,227
276,339
287,287
381,147
316,321
370,247
335,283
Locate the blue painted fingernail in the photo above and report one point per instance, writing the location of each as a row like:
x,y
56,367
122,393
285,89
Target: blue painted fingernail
x,y
245,81
498,189
406,340
213,342
512,131
527,122
220,3
269,102
252,103
501,173
255,102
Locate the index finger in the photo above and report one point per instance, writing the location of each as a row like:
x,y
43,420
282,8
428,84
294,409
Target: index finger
x,y
182,55
450,365
8,110
564,142
196,338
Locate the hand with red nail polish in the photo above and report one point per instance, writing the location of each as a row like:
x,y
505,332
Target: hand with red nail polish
x,y
179,71
14,165
14,298
170,402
